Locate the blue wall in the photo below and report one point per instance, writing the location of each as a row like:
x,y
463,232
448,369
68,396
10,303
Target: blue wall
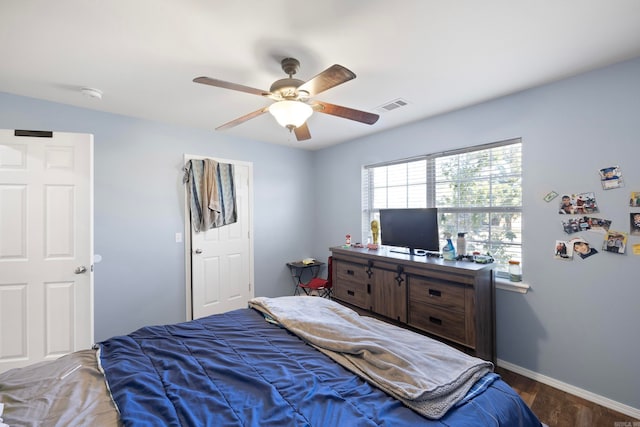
x,y
139,207
578,324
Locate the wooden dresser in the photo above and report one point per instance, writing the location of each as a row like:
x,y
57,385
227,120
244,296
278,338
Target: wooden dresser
x,y
453,301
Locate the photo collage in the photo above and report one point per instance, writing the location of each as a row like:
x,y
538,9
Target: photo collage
x,y
583,214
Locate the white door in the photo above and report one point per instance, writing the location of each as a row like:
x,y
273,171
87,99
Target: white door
x,y
46,245
222,258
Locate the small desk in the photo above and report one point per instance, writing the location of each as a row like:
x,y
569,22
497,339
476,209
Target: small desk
x,y
298,269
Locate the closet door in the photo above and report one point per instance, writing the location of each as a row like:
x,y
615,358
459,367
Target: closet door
x,y
222,258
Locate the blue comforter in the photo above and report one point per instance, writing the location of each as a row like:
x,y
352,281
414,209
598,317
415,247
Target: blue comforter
x,y
236,369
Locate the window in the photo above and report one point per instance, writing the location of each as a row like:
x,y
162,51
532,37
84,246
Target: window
x,y
477,190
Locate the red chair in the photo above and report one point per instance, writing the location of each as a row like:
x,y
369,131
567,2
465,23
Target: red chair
x,y
321,287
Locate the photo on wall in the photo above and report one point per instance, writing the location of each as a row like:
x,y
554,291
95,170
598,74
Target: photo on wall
x,y
610,177
634,199
600,225
571,225
582,248
585,223
578,204
563,250
615,242
634,220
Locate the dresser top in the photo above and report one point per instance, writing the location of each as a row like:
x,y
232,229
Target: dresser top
x,y
385,254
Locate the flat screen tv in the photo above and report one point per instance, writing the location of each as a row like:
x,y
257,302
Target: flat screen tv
x,y
412,228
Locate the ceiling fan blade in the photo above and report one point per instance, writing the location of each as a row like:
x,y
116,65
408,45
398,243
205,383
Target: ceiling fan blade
x,y
332,76
346,113
233,86
243,119
302,132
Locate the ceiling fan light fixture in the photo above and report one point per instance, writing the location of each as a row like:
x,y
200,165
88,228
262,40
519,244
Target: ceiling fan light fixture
x,y
290,114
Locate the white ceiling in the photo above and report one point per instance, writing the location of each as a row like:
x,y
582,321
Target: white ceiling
x,y
437,55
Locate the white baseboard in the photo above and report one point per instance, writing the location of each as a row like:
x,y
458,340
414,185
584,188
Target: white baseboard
x,y
592,397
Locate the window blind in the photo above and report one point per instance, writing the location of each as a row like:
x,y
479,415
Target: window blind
x,y
477,190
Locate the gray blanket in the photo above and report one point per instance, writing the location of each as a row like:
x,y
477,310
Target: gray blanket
x,y
66,392
426,375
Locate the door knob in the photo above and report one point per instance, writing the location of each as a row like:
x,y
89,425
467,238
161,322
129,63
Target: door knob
x,y
198,251
81,269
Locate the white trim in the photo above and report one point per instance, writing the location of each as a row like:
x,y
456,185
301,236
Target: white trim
x,y
187,245
92,249
508,285
576,391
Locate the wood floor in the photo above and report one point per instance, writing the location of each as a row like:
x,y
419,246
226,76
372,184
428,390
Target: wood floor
x,y
557,408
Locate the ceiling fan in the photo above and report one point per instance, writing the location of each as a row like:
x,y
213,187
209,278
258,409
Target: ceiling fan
x,y
293,104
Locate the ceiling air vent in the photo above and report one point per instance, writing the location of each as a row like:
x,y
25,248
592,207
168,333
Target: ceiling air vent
x,y
397,103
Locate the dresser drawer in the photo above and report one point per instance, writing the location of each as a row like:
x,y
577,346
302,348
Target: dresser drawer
x,y
352,292
347,271
444,295
438,321
351,284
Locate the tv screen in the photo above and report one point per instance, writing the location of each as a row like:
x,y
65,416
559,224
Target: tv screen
x,y
413,228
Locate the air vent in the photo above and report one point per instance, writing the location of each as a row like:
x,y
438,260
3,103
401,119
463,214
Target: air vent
x,y
393,105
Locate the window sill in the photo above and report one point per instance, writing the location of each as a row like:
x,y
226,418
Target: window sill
x,y
507,285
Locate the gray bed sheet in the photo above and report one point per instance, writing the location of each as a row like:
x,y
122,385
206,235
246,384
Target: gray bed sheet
x,y
69,391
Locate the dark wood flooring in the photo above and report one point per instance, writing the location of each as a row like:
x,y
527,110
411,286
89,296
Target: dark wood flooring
x,y
557,408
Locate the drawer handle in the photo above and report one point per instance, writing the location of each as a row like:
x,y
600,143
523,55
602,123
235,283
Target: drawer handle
x,y
351,293
435,320
434,293
350,272
398,277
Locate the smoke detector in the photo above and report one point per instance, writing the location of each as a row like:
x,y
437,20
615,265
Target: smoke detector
x,y
91,92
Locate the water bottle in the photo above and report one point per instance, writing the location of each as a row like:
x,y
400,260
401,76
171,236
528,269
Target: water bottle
x,y
462,244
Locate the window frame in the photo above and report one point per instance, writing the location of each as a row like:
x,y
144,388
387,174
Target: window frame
x,y
370,212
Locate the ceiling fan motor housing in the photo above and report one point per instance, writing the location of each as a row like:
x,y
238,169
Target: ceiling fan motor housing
x,y
286,88
290,66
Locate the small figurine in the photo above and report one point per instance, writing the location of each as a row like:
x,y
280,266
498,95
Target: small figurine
x,y
348,240
375,231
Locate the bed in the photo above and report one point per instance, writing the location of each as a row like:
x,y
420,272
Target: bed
x,y
289,361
